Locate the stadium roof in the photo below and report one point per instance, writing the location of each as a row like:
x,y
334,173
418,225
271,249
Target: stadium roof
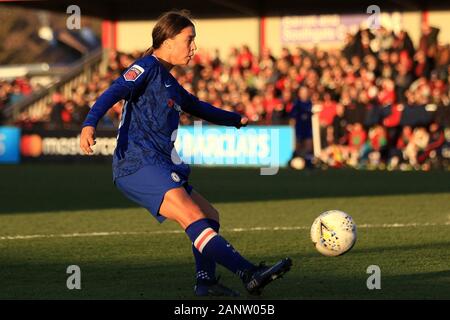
x,y
148,9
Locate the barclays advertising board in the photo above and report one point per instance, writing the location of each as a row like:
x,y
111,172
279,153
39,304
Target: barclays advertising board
x,y
260,146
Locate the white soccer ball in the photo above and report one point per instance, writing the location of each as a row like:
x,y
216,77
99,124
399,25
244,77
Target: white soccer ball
x,y
333,233
297,163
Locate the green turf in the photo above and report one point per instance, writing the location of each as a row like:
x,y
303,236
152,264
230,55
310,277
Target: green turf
x,y
138,258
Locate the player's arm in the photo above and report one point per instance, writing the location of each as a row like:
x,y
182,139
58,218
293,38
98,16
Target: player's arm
x,y
104,102
201,109
122,88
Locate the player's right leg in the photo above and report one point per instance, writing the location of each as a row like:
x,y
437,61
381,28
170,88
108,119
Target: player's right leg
x,y
179,206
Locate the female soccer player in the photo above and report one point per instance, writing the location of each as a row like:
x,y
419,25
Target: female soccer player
x,y
146,167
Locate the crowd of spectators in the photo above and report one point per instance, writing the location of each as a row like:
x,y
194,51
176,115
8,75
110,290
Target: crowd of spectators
x,y
12,91
381,102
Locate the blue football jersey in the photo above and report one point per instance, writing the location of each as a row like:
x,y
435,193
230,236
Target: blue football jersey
x,y
302,113
153,102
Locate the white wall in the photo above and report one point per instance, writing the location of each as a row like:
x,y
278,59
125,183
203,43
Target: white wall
x,y
211,34
441,20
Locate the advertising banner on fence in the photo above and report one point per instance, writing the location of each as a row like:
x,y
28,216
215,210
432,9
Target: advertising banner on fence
x,y
9,145
196,145
250,146
64,145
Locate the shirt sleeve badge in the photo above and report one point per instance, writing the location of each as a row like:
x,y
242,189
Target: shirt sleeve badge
x,y
133,73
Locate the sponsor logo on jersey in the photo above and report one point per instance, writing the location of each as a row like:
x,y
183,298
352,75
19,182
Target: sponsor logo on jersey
x,y
172,104
175,177
133,73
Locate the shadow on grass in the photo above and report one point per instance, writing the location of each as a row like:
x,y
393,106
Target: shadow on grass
x,y
444,246
169,280
42,188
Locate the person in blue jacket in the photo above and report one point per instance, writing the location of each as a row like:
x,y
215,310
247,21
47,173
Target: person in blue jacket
x,y
146,167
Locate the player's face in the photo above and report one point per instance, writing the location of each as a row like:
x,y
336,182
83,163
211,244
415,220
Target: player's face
x,y
183,46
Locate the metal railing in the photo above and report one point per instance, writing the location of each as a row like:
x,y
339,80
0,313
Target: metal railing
x,y
36,104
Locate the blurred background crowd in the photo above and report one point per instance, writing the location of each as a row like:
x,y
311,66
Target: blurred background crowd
x,y
380,101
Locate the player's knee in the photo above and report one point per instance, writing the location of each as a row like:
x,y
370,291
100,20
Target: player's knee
x,y
196,215
192,214
213,214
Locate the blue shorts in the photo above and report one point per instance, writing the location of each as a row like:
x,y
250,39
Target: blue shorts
x,y
148,185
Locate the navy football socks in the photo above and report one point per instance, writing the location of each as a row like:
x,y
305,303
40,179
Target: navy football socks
x,y
205,268
210,244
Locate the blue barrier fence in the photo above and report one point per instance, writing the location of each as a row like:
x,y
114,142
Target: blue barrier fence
x,y
197,145
9,145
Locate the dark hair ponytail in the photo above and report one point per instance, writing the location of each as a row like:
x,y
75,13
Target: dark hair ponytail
x,y
169,24
148,52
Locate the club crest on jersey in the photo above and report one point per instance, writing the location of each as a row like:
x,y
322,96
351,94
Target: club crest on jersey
x,y
175,177
133,73
172,104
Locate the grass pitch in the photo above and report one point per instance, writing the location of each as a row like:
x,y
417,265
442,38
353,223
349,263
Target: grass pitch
x,y
52,217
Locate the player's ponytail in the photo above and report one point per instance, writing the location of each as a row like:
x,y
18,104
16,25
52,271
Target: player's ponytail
x,y
148,52
169,24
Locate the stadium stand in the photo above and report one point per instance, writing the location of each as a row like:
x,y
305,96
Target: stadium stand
x,y
380,100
